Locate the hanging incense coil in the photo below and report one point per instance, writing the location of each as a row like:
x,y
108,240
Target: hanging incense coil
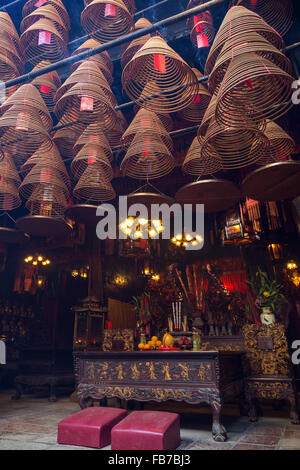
x,y
276,13
8,69
208,116
195,164
27,96
114,136
147,157
9,50
281,144
102,60
42,41
130,5
158,79
8,169
106,20
146,121
93,135
66,136
32,5
7,28
129,49
93,186
47,201
91,153
42,175
237,21
46,12
255,43
47,88
195,112
255,83
53,75
88,73
9,195
203,31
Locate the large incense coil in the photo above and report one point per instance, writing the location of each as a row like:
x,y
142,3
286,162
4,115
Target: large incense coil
x,y
66,136
195,112
50,13
208,116
88,73
47,88
148,122
129,49
255,83
89,103
93,134
27,96
281,144
114,136
147,158
42,175
102,60
195,164
106,20
47,201
52,45
237,24
277,13
7,28
130,5
93,186
53,75
9,195
89,154
255,43
8,169
8,69
156,69
32,5
236,147
8,49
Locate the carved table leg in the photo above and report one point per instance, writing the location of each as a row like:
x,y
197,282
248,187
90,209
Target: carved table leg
x,y
293,410
103,402
85,402
252,406
218,431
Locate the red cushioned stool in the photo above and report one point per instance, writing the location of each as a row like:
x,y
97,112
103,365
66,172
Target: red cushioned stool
x,y
147,430
90,427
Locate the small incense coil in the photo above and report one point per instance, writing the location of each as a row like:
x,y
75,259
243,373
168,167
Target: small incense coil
x,y
146,121
93,135
255,43
201,25
88,73
27,96
8,169
46,12
238,23
157,68
53,75
65,137
195,112
114,136
32,5
129,49
9,50
93,186
130,5
281,144
42,174
90,154
276,13
7,27
102,60
89,103
106,20
195,164
42,41
9,195
256,83
147,158
236,147
47,88
8,69
47,200
208,116
166,119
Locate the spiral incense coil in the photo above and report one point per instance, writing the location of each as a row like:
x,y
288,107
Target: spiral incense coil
x,y
106,20
147,158
129,49
8,49
8,169
7,28
236,147
195,112
202,34
66,136
281,144
42,41
8,69
89,154
195,164
47,201
46,12
156,68
208,116
277,13
53,75
42,175
255,43
148,122
32,5
114,136
237,24
130,5
254,82
102,60
93,186
9,195
90,103
27,96
88,73
93,134
47,88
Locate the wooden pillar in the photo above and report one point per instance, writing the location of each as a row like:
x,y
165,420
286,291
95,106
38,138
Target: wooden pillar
x,y
95,286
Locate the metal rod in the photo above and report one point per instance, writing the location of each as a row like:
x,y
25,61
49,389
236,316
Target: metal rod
x,y
9,5
292,46
116,42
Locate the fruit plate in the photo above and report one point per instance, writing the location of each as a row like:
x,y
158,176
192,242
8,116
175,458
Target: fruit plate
x,y
162,348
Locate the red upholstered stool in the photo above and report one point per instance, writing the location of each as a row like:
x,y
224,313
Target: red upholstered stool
x,y
147,430
90,427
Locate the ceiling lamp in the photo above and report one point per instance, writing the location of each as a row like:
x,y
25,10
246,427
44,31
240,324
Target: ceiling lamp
x,y
197,164
186,241
143,229
102,60
93,134
195,111
158,79
106,20
32,5
91,153
37,260
147,157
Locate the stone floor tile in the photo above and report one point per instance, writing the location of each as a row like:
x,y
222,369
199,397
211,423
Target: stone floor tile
x,y
266,440
252,447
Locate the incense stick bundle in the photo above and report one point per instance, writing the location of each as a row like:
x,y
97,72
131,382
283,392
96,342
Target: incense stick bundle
x,y
183,287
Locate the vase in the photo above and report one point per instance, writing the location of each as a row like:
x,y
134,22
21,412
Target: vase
x,y
267,317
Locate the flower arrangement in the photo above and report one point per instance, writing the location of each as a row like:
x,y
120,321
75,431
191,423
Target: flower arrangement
x,y
268,292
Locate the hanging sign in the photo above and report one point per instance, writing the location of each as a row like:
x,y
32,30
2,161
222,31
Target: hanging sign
x,y
160,63
87,103
44,37
202,40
